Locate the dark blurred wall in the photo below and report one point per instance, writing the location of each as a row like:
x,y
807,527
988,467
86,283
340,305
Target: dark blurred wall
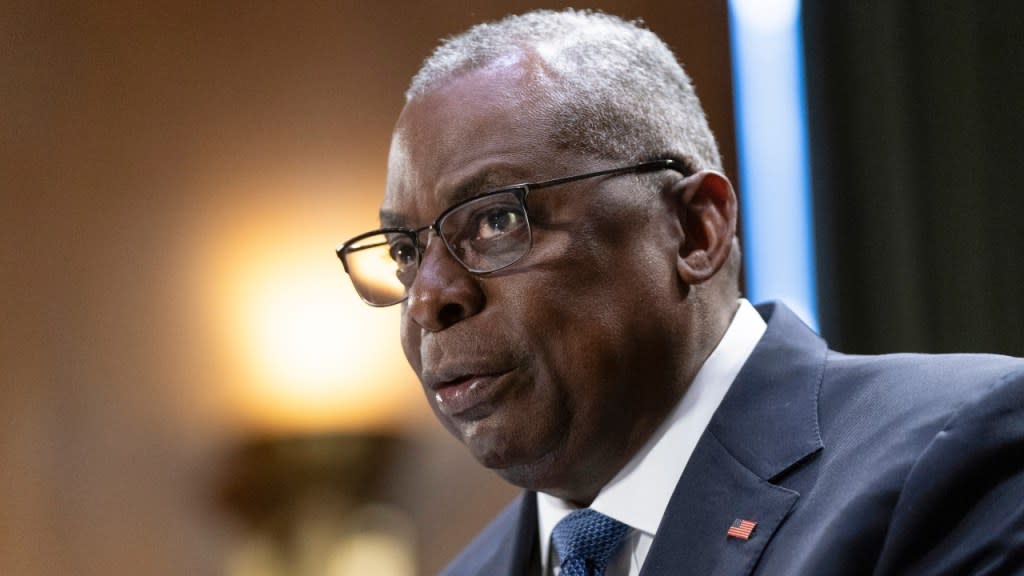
x,y
132,135
917,136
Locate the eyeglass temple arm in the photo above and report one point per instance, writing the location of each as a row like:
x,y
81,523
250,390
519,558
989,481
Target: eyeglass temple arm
x,y
653,165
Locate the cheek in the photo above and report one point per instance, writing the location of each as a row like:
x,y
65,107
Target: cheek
x,y
567,335
590,324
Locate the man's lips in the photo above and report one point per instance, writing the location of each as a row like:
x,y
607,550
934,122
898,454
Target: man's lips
x,y
467,396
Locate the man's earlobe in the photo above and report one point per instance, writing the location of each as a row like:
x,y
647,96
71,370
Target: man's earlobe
x,y
706,208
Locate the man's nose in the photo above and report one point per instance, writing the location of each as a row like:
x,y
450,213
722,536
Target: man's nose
x,y
443,292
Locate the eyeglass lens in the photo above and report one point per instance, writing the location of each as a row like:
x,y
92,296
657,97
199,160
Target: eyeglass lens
x,y
484,234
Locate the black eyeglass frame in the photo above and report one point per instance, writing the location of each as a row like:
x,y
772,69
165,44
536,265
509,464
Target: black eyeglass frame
x,y
521,191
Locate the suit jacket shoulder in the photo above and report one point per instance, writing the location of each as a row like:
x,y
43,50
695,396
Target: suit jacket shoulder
x,y
961,506
920,471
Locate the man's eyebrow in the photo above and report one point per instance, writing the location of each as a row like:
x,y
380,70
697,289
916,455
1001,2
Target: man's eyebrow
x,y
481,182
486,181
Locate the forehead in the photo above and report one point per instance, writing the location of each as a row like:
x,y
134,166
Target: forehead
x,y
478,131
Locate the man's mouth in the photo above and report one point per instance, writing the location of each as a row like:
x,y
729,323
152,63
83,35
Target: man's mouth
x,y
468,396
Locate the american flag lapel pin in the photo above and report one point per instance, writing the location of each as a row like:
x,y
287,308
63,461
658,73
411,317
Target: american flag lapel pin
x,y
741,529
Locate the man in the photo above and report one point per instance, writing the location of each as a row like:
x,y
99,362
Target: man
x,y
583,335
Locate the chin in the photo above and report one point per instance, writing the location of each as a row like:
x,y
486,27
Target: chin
x,y
496,452
531,457
493,451
541,471
525,476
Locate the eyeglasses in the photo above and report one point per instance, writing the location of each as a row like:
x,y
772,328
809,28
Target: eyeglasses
x,y
484,234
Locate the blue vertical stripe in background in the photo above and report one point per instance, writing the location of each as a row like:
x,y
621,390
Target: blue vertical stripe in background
x,y
774,175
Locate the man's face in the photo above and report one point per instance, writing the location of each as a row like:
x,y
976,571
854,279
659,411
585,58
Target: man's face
x,y
555,370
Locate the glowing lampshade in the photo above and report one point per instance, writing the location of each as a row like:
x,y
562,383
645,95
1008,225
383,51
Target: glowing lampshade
x,y
300,351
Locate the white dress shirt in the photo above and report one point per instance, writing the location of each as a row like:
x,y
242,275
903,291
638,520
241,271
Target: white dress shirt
x,y
638,495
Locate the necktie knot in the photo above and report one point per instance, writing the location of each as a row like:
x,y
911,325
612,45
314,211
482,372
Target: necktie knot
x,y
585,541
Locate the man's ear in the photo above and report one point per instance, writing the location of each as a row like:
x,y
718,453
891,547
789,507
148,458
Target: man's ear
x,y
706,207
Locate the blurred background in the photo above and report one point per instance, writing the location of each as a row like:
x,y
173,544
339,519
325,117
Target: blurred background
x,y
188,384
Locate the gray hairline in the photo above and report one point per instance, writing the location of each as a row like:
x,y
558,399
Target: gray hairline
x,y
618,90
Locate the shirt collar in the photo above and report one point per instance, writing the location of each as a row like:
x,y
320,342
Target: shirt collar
x,y
639,494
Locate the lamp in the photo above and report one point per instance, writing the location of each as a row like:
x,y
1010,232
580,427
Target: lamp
x,y
317,385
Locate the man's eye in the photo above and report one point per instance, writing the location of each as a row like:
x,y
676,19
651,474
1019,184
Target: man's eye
x,y
495,223
403,253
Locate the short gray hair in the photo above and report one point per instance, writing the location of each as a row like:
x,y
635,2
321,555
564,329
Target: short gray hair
x,y
620,92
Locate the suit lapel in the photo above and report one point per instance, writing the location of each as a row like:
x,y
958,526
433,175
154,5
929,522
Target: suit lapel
x,y
518,555
719,490
769,418
766,424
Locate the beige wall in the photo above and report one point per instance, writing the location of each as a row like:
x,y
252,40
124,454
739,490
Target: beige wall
x,y
151,155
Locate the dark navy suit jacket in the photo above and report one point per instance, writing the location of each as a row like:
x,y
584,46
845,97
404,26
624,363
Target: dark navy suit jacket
x,y
855,465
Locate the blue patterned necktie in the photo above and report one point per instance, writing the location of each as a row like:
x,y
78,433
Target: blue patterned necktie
x,y
585,541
